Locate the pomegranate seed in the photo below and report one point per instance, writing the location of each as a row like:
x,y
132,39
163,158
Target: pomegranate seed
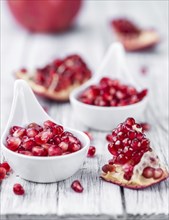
x,y
2,173
39,151
130,121
13,143
35,126
91,151
148,172
76,186
74,147
43,137
17,131
28,144
49,124
6,166
145,126
57,129
109,138
108,168
64,146
157,173
54,151
89,135
18,189
31,132
25,152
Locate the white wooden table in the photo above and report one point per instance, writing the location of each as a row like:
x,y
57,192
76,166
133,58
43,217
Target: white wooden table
x,y
100,200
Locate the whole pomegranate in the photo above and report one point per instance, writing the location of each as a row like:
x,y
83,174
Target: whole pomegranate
x,y
45,15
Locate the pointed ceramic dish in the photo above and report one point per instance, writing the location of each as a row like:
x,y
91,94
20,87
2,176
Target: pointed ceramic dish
x,y
106,118
26,109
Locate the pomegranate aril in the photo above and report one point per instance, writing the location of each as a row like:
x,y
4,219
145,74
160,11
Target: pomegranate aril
x,y
64,146
31,132
49,124
130,121
112,149
74,147
39,151
25,152
17,131
145,126
57,129
76,186
157,173
28,144
91,151
18,189
43,137
6,166
148,172
35,126
109,138
2,173
13,143
108,168
54,151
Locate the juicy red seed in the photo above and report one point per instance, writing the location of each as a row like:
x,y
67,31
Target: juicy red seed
x,y
108,168
39,151
91,151
131,135
63,145
2,173
145,126
43,137
17,131
76,186
54,151
112,149
25,152
157,173
130,121
31,132
13,143
35,126
121,159
49,124
57,129
74,147
28,144
6,166
109,138
148,172
89,135
18,189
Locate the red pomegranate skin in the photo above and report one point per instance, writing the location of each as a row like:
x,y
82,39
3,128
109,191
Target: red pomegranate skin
x,y
45,15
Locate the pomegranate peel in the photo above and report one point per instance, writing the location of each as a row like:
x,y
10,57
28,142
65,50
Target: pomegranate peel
x,y
134,165
132,37
57,79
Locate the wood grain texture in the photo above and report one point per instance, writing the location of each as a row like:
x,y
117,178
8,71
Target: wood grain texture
x,y
100,200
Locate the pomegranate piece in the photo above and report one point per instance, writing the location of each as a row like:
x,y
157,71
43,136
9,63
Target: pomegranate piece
x,y
57,79
111,92
2,173
6,166
47,140
17,131
91,151
18,189
77,187
132,37
134,165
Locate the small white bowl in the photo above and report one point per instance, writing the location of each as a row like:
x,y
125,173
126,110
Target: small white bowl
x,y
26,109
106,118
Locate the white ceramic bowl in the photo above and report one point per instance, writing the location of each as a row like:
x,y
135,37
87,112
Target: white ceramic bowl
x,y
26,109
102,118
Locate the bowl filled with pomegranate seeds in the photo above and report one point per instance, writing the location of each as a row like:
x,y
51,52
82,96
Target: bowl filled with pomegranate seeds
x,y
57,79
104,104
44,152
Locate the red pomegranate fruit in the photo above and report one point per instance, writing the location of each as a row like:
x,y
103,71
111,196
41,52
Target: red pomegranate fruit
x,y
57,79
50,139
111,92
132,37
45,16
134,164
77,186
18,189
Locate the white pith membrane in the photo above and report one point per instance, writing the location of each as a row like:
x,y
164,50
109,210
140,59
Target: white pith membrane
x,y
145,39
62,95
137,181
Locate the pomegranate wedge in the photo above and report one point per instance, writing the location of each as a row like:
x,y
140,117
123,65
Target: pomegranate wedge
x,y
132,37
134,164
56,80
